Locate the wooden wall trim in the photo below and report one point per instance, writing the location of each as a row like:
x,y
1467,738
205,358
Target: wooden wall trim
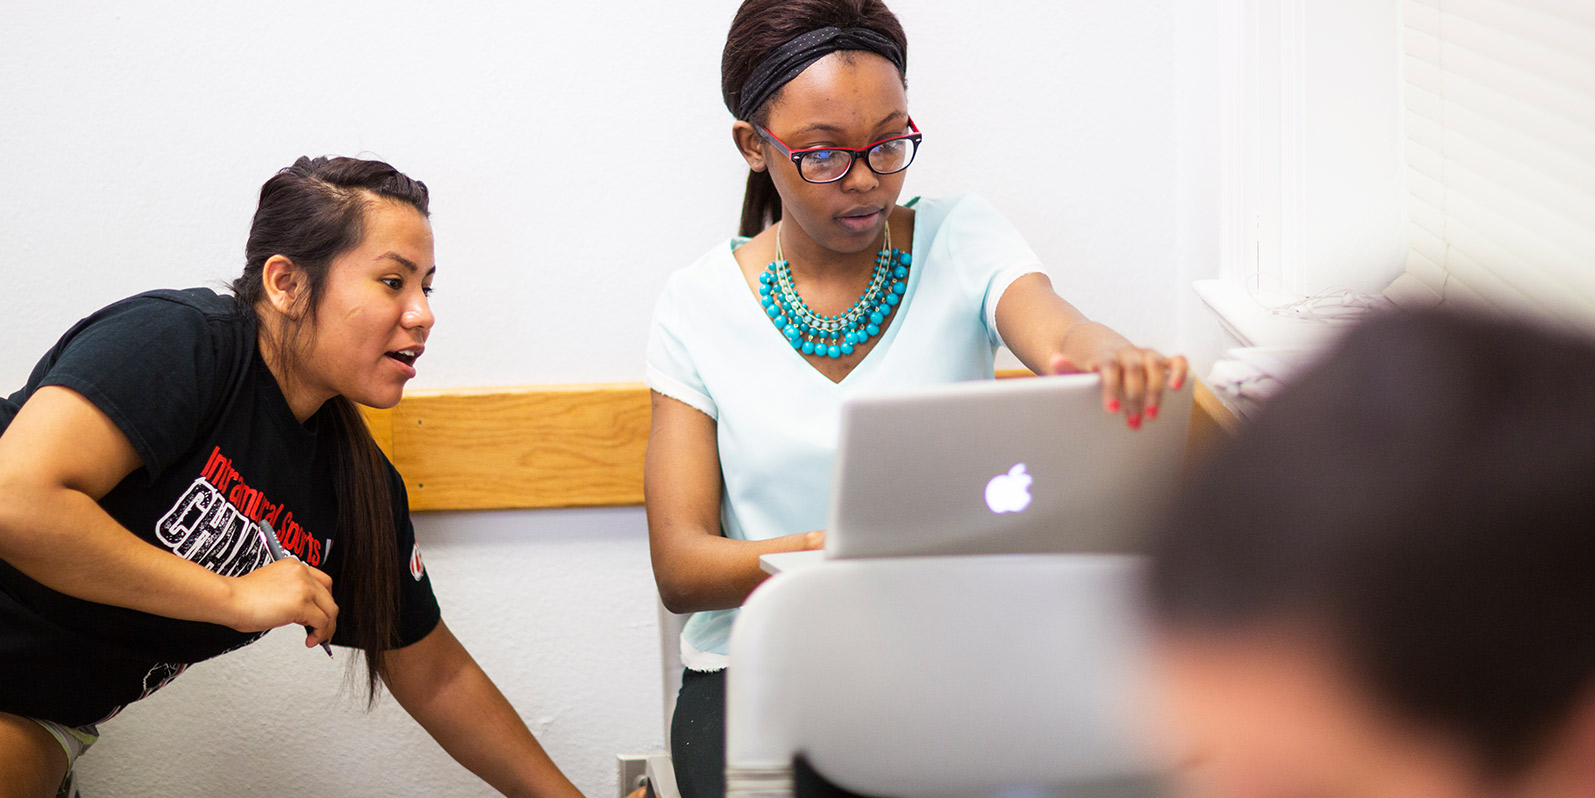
x,y
1211,422
528,447
558,445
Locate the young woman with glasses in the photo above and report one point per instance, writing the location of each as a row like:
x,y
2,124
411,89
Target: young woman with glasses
x,y
832,287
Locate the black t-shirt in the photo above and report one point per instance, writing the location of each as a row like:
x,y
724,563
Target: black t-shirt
x,y
179,373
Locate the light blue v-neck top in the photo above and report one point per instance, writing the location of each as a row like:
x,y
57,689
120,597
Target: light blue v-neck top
x,y
713,348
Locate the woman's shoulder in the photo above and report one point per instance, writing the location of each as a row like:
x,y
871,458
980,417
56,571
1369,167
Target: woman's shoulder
x,y
931,214
195,309
178,319
200,300
701,279
969,229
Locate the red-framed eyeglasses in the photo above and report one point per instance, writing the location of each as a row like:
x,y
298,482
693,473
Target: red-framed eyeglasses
x,y
830,164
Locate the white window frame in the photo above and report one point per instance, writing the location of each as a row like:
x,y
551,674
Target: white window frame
x,y
1262,98
1264,87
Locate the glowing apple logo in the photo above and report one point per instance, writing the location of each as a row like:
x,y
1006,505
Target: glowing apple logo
x,y
1010,492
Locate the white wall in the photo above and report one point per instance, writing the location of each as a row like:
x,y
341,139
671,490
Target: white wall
x,y
1200,45
133,138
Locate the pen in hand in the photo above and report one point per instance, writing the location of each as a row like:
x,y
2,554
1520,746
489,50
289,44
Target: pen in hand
x,y
268,536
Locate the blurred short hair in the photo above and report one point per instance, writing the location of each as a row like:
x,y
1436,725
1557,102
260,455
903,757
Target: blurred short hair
x,y
1425,495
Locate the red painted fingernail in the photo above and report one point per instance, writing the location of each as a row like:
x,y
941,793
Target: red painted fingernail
x,y
1135,421
1113,405
1151,413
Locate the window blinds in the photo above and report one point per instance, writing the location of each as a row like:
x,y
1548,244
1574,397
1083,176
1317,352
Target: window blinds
x,y
1500,150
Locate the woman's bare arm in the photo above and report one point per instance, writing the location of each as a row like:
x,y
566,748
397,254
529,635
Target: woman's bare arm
x,y
696,567
1051,336
58,457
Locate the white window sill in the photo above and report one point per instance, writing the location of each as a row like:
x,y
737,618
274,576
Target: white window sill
x,y
1246,317
1273,347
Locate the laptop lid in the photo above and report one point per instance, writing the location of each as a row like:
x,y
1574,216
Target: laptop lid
x,y
1000,466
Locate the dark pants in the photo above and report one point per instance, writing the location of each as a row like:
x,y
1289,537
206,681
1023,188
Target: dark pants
x,y
698,743
698,735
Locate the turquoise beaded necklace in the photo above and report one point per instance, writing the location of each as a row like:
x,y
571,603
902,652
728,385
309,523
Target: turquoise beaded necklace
x,y
835,335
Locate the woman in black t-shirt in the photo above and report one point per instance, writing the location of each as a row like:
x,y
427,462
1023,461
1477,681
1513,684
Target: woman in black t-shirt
x,y
163,438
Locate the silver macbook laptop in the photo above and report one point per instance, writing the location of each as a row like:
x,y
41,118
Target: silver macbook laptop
x,y
1000,466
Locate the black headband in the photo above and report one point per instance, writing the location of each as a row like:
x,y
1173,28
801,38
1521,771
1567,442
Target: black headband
x,y
789,60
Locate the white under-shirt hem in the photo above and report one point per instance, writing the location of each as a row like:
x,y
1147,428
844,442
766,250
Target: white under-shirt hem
x,y
702,661
678,390
999,286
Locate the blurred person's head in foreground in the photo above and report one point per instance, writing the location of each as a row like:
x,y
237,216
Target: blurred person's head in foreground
x,y
1385,586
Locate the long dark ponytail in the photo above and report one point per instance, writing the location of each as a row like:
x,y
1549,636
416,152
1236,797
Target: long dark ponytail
x,y
310,213
763,25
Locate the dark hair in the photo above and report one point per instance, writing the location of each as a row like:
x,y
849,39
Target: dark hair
x,y
1426,495
310,213
763,25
